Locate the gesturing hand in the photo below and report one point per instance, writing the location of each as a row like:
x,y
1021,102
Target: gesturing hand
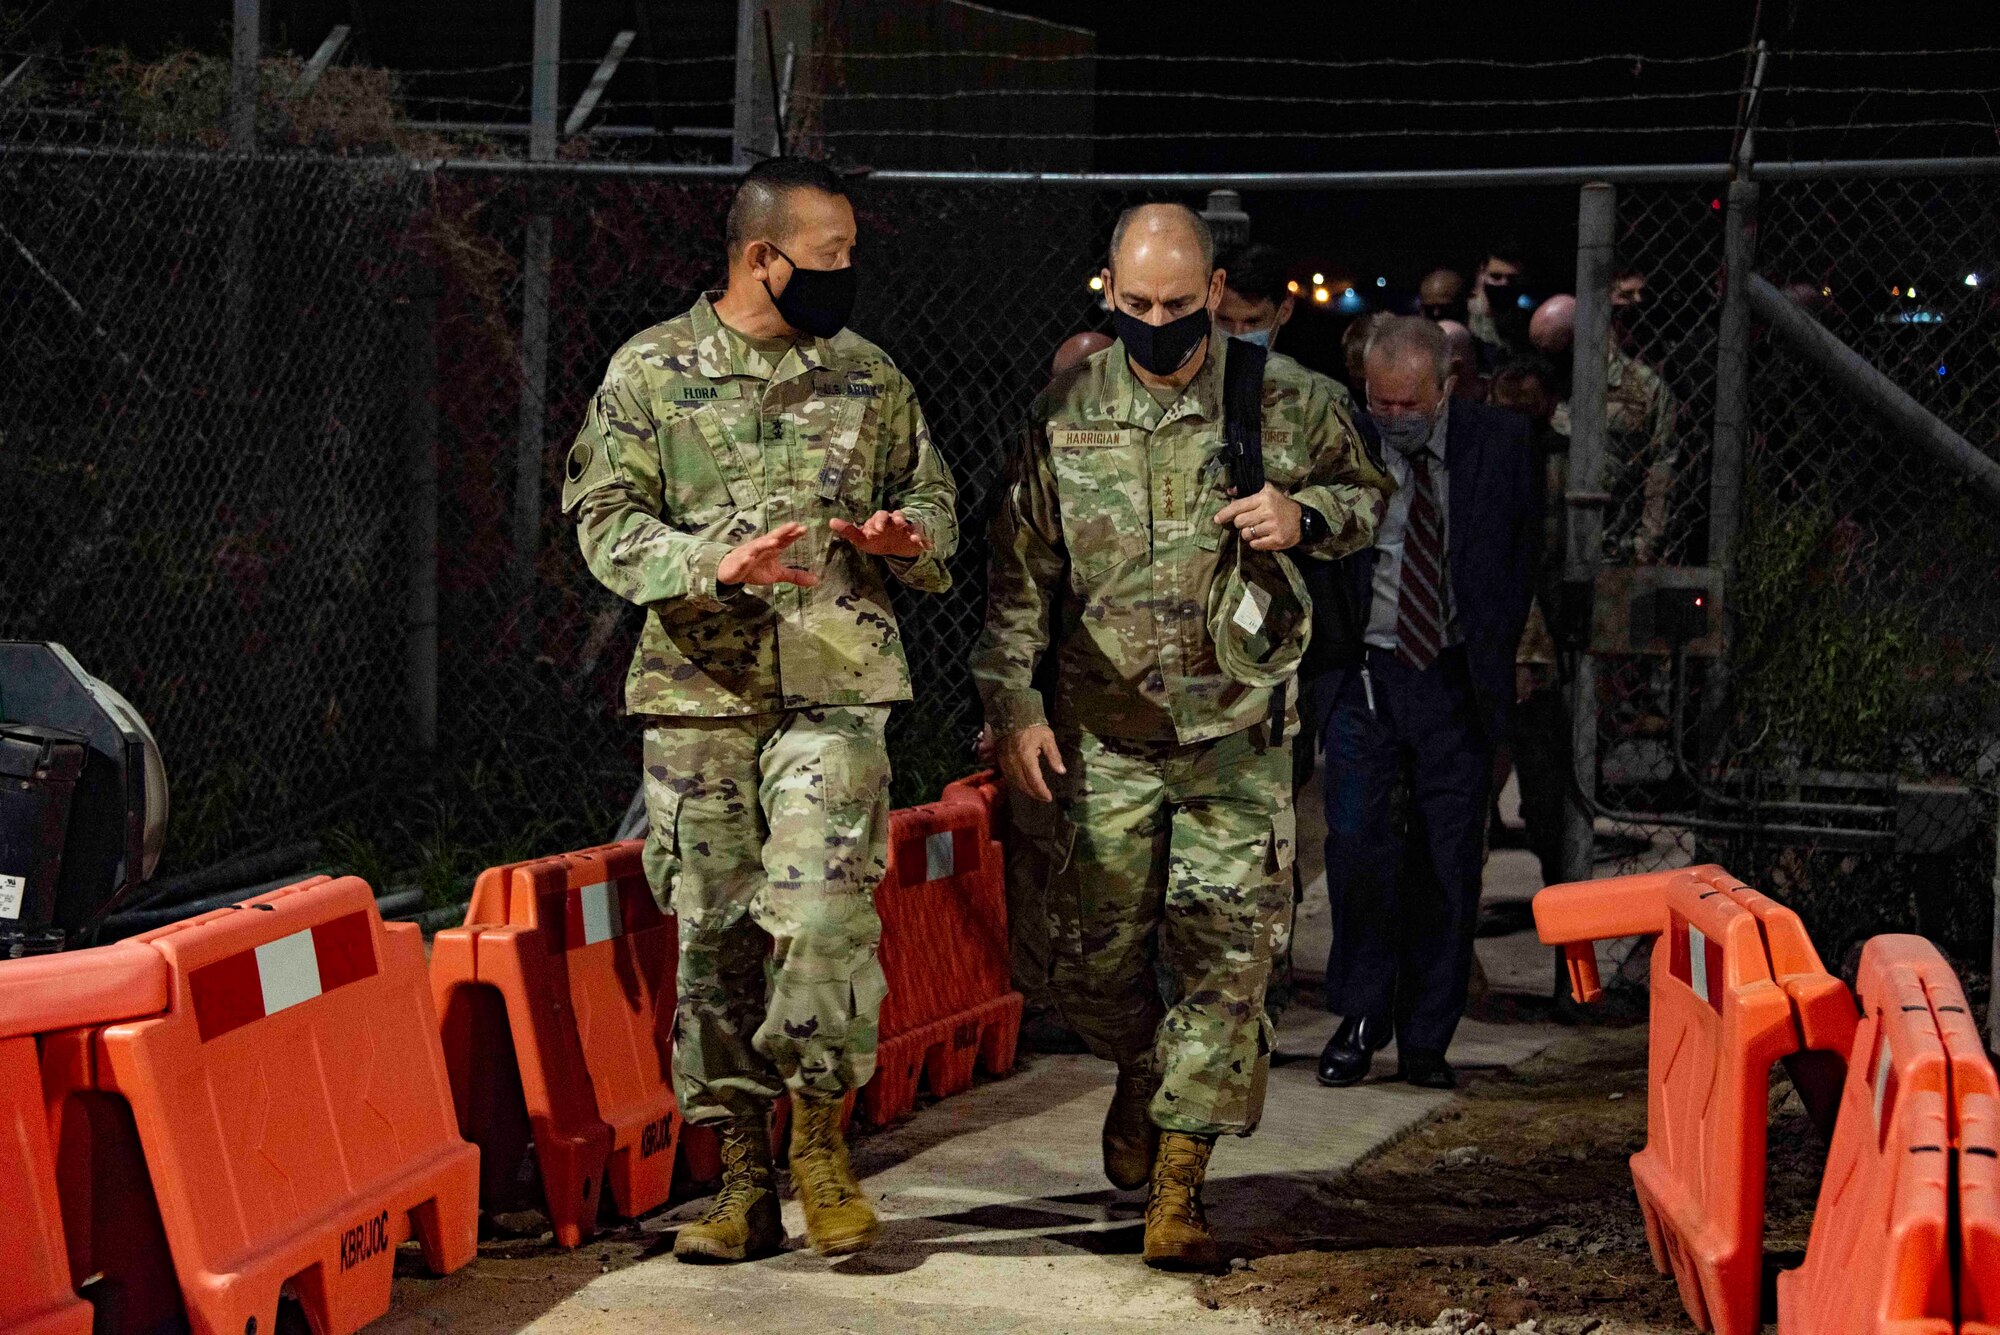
x,y
1268,521
886,533
761,560
1022,755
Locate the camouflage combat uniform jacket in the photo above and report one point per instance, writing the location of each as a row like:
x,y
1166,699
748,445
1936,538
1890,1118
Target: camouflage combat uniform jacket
x,y
1640,458
686,453
1106,537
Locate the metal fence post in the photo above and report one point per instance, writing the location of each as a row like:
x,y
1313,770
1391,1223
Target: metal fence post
x,y
535,302
1596,224
421,432
246,52
1732,376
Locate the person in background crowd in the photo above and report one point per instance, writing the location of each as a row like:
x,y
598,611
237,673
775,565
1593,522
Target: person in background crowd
x,y
1629,308
1411,670
1639,445
1466,378
1076,349
1441,295
1159,754
1538,727
764,672
1256,305
1353,344
1038,836
1494,312
1256,302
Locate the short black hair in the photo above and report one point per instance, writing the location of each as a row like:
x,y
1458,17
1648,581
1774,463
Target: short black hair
x,y
1508,251
1255,270
1527,366
758,213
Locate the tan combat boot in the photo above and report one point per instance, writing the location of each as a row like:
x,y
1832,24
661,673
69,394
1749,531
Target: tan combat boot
x,y
1177,1236
839,1219
744,1222
1131,1141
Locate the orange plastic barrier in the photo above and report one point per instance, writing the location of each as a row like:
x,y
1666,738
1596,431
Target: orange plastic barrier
x,y
1979,1214
950,1006
557,998
1910,1161
293,1113
38,995
1736,985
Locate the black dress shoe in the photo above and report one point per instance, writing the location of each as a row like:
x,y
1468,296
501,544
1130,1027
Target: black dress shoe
x,y
1348,1054
1427,1070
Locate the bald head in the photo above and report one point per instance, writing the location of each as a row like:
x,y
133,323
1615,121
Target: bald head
x,y
1442,294
1552,328
1153,228
1076,350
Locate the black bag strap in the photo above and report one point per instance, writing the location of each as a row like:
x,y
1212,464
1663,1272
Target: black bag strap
x,y
1243,437
1243,414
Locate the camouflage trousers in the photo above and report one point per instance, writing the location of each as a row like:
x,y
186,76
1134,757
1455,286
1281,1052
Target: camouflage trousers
x,y
1038,838
1184,850
768,835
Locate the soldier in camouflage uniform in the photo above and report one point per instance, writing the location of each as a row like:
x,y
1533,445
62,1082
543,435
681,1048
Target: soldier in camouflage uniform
x,y
1107,543
748,473
1640,456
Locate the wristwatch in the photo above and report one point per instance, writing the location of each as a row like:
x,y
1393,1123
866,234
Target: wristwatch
x,y
1312,527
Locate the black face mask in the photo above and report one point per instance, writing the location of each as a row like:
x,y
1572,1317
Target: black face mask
x,y
815,301
1165,348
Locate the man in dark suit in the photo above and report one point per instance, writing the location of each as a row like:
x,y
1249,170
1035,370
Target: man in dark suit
x,y
1410,675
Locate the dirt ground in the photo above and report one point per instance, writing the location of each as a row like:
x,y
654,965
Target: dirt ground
x,y
1512,1208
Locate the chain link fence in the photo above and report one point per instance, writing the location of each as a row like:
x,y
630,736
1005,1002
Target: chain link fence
x,y
1864,672
267,420
201,466
1842,757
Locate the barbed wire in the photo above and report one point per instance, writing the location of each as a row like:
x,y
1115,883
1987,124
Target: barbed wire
x,y
1394,62
573,62
1399,133
1284,99
1288,99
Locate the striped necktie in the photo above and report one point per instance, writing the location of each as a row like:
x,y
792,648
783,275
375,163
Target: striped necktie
x,y
1420,605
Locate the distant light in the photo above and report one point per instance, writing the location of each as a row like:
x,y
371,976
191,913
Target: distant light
x,y
1322,295
1715,204
1972,280
1941,368
1292,286
1381,281
1318,278
1826,292
1896,291
1351,302
1697,600
1911,293
1097,282
1524,301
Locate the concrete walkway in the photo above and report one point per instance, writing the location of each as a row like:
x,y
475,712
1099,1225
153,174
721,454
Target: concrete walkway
x,y
997,1214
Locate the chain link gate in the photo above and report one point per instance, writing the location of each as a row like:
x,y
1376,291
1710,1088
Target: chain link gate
x,y
1842,755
